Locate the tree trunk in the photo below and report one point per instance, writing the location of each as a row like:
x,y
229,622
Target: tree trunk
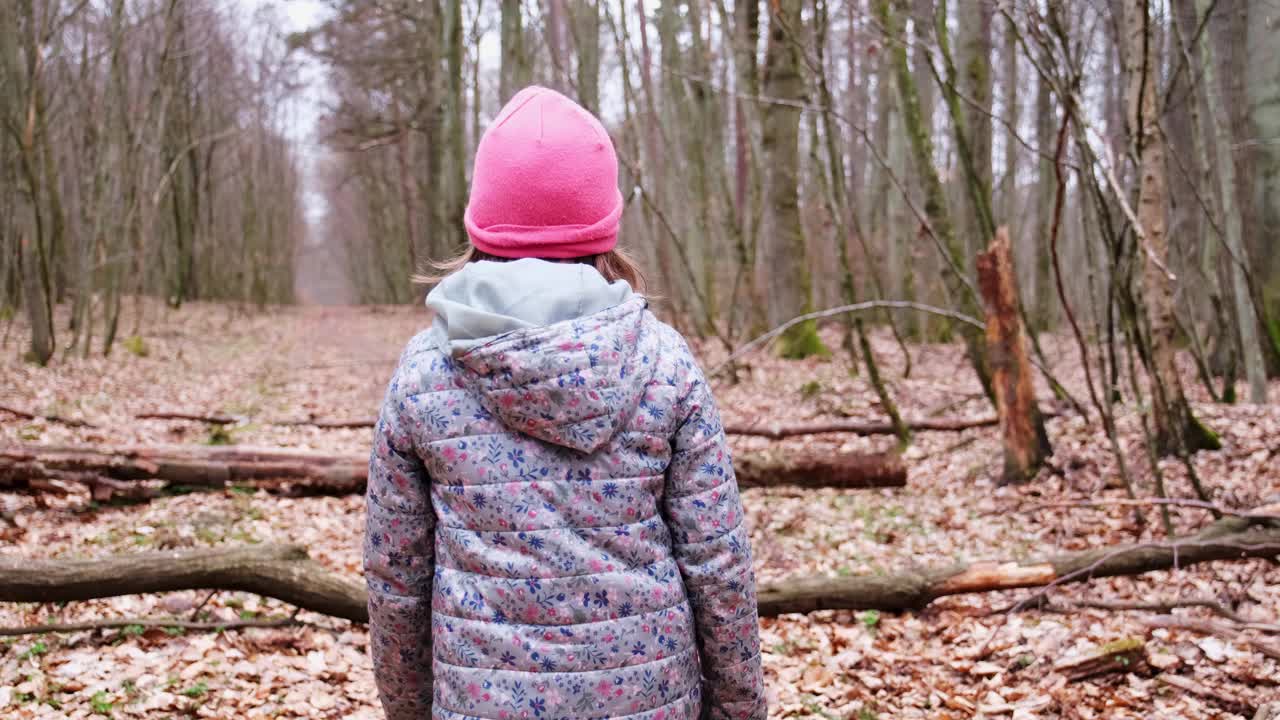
x,y
1230,27
1176,429
586,23
1263,91
846,224
1230,164
1026,444
457,137
784,256
1009,181
557,44
306,471
976,19
935,207
515,72
1042,313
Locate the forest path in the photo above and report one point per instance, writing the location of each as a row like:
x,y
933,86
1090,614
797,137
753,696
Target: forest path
x,y
319,275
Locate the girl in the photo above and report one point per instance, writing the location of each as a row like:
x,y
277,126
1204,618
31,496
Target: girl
x,y
554,528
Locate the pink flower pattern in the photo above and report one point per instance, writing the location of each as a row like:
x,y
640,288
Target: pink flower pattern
x,y
554,532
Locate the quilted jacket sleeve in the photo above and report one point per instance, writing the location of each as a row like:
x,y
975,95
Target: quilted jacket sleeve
x,y
398,564
710,541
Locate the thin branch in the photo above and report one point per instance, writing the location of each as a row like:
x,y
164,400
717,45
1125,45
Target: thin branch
x,y
1144,502
1208,627
1164,606
832,312
49,417
862,132
148,623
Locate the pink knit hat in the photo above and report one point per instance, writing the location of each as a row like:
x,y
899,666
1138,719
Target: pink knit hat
x,y
545,182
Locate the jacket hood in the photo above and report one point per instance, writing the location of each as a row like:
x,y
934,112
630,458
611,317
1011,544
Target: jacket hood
x,y
550,349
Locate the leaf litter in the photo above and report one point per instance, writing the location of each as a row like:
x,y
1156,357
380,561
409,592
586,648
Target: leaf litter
x,y
961,657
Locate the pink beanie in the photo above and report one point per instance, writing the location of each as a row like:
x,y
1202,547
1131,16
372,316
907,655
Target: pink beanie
x,y
545,182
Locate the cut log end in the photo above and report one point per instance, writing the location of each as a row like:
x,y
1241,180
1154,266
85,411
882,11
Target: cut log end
x,y
1125,655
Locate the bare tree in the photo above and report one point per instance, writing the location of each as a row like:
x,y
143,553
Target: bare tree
x,y
1176,428
783,252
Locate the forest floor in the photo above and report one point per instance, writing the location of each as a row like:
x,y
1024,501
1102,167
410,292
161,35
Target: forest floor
x,y
961,657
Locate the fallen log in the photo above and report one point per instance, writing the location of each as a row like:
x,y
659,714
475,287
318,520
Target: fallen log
x,y
320,473
776,431
187,465
1226,539
834,470
285,573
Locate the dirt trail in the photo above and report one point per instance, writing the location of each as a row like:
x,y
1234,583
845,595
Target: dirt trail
x,y
319,277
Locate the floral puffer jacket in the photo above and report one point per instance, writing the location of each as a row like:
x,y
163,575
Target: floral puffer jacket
x,y
563,499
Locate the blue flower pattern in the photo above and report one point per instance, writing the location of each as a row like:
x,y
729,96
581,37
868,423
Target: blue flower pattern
x,y
554,532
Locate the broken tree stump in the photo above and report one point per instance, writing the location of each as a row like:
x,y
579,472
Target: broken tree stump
x,y
1026,444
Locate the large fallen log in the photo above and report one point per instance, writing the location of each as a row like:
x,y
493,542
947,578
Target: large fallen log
x,y
220,466
285,573
1226,539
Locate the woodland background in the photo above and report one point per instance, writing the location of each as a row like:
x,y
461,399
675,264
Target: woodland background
x,y
854,177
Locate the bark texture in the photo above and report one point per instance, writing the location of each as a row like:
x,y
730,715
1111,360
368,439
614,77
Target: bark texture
x,y
284,572
1026,444
1228,539
784,256
1176,429
1119,656
102,469
918,127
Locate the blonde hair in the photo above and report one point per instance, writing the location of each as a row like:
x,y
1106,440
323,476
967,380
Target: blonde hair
x,y
613,265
